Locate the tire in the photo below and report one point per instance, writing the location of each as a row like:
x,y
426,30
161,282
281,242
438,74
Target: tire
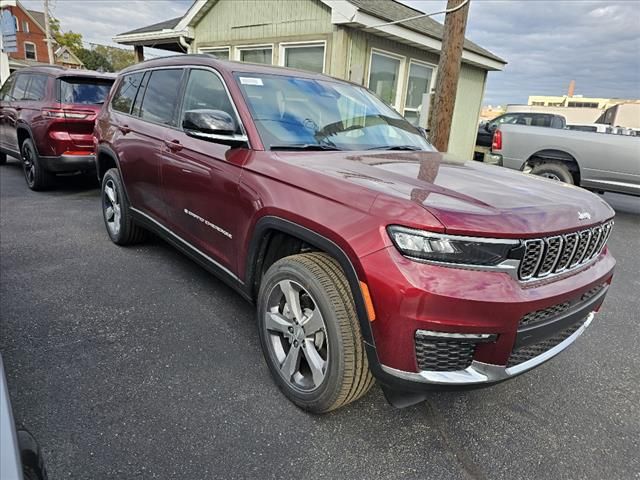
x,y
316,283
554,171
3,158
35,175
115,211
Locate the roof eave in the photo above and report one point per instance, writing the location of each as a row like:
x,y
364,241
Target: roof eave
x,y
149,38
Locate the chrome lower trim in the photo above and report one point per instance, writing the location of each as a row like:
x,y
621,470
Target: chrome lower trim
x,y
479,373
457,336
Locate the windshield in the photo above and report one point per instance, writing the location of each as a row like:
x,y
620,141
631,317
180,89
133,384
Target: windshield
x,y
292,112
89,91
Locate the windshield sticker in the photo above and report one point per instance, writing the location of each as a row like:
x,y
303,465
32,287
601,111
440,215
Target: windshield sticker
x,y
251,81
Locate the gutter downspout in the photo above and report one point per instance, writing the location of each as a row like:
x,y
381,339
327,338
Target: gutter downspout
x,y
184,44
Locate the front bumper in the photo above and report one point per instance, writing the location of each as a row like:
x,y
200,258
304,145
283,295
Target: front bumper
x,y
69,163
411,297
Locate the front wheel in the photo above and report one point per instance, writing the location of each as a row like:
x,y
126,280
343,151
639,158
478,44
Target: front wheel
x,y
310,334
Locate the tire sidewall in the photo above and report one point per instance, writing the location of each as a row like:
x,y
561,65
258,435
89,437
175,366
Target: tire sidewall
x,y
556,169
28,145
325,395
114,176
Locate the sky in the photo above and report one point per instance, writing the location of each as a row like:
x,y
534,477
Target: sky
x,y
546,43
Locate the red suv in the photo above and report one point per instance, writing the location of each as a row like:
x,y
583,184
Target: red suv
x,y
367,253
47,116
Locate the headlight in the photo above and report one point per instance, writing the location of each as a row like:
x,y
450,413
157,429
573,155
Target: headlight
x,y
422,245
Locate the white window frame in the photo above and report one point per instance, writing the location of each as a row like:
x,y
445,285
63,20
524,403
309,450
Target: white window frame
x,y
406,86
35,50
282,47
17,22
25,26
237,50
401,74
213,50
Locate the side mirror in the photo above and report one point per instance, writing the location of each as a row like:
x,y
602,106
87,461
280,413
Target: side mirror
x,y
490,127
213,125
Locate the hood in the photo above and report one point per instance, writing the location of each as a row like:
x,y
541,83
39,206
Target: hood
x,y
467,197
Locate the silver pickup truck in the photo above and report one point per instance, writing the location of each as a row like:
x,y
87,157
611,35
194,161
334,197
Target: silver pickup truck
x,y
597,161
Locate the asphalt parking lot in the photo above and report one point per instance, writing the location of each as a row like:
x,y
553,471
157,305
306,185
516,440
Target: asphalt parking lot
x,y
136,363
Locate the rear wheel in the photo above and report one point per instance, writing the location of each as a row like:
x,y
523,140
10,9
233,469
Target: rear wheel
x,y
115,210
36,176
3,158
310,334
554,171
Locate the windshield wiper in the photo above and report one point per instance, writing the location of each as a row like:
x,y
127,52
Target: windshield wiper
x,y
304,146
396,147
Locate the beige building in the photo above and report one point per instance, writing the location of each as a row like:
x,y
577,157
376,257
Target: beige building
x,y
574,101
349,39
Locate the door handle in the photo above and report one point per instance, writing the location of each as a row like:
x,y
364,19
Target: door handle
x,y
173,145
124,129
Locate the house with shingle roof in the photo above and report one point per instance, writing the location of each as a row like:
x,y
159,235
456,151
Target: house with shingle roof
x,y
349,39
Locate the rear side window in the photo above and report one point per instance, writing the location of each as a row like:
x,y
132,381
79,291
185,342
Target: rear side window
x,y
37,87
21,87
84,90
126,94
161,96
5,91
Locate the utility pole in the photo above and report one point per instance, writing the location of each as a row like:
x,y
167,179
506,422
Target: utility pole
x,y
47,31
455,23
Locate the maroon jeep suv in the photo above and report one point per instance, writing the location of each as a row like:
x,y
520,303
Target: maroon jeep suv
x,y
368,254
47,116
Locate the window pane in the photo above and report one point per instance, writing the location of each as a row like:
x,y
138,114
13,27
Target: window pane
x,y
30,51
305,58
418,84
37,87
123,99
80,90
411,116
6,88
206,91
220,53
137,105
383,77
161,96
21,87
260,55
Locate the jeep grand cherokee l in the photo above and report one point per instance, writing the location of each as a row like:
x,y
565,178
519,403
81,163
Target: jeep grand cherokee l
x,y
47,117
367,253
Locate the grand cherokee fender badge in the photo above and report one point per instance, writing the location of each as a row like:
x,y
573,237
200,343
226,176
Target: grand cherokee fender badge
x,y
208,223
584,216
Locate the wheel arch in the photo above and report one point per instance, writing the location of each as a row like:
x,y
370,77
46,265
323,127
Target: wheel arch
x,y
23,131
267,226
555,155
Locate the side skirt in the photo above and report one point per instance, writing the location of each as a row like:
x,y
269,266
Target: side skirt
x,y
192,252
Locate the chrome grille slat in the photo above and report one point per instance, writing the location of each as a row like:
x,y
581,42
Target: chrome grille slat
x,y
553,255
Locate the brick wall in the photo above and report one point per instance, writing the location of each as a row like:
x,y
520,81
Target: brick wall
x,y
35,35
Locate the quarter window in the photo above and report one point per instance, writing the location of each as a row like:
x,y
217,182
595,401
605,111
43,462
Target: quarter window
x,y
21,87
304,57
30,51
257,55
37,87
161,96
384,75
126,94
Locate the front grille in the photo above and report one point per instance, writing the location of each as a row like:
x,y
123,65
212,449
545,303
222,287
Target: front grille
x,y
443,355
522,354
541,316
544,256
545,314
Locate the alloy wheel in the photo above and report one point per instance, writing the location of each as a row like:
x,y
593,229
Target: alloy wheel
x,y
551,176
111,207
297,336
28,164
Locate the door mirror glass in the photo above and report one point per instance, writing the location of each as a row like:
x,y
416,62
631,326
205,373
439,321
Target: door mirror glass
x,y
209,121
214,126
490,127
